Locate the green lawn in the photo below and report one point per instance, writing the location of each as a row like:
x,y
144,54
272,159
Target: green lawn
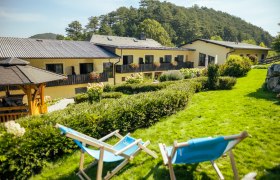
x,y
246,107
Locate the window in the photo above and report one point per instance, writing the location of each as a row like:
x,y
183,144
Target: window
x,y
161,59
123,78
127,59
108,68
56,68
141,60
202,58
86,68
211,60
149,59
262,57
179,58
167,58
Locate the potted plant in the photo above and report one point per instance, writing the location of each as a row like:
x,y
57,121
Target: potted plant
x,y
174,63
94,76
156,64
134,65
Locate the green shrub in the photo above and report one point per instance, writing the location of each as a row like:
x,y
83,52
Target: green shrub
x,y
171,76
213,74
192,72
108,88
236,66
138,88
226,82
82,97
114,95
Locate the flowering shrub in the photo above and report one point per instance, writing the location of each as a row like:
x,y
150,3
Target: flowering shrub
x,y
171,76
193,72
14,128
94,91
135,78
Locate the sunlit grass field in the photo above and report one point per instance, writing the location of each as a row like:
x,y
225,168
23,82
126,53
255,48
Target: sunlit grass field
x,y
212,113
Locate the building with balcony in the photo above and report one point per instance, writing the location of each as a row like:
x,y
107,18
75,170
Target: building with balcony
x,y
143,55
209,50
74,59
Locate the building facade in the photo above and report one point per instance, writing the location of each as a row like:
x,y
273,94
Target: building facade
x,y
143,55
209,50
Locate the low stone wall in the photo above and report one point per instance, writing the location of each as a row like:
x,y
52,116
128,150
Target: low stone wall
x,y
273,78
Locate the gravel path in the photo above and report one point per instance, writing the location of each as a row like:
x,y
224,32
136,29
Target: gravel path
x,y
60,105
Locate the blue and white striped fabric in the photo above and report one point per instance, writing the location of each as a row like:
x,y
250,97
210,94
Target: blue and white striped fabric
x,y
108,156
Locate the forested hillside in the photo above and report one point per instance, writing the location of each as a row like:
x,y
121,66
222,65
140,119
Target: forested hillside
x,y
44,36
182,24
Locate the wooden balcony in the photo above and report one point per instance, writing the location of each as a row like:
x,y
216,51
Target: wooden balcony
x,y
152,67
79,79
12,113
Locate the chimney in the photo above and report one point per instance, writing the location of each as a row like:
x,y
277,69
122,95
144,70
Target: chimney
x,y
142,36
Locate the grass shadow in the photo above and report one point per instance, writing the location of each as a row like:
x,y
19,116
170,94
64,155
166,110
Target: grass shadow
x,y
273,173
160,172
264,94
91,172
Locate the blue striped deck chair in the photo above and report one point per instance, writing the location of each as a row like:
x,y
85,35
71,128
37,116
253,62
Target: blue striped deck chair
x,y
200,150
126,149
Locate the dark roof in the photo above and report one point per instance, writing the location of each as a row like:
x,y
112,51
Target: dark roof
x,y
234,45
130,43
148,48
13,73
118,41
45,48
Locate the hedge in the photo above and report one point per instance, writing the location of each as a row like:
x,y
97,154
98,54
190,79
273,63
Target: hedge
x,y
21,157
139,88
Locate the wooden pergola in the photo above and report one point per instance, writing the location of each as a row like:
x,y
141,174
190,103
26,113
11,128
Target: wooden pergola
x,y
31,80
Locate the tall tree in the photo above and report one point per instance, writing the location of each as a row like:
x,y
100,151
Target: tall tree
x,y
92,25
75,30
276,42
154,30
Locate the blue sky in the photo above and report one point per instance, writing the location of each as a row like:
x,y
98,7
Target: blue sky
x,y
24,18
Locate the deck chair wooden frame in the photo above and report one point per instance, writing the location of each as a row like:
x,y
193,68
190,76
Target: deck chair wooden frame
x,y
102,146
167,158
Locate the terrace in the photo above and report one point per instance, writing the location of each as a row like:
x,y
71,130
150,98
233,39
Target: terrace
x,y
153,67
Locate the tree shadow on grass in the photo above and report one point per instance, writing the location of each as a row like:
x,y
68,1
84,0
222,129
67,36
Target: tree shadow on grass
x,y
273,173
160,172
264,94
92,172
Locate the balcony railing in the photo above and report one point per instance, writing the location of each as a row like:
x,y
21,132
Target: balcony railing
x,y
79,79
152,67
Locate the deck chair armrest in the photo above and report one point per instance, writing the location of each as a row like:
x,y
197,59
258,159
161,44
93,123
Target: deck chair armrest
x,y
163,153
116,133
127,147
242,135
